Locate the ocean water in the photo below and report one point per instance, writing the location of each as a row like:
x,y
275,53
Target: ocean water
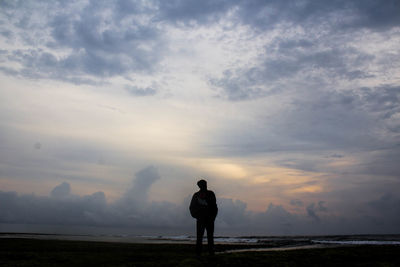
x,y
164,236
298,240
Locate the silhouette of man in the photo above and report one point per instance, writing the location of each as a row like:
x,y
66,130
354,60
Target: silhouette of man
x,y
203,208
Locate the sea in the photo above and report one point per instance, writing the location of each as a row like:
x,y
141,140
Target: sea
x,y
49,232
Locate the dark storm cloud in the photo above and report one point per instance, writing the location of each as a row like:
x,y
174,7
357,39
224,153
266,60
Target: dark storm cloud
x,y
364,14
106,39
64,208
375,14
266,14
313,209
98,44
192,11
232,213
62,190
141,185
287,60
111,51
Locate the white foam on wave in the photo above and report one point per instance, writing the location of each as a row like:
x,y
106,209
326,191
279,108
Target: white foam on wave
x,y
235,240
357,242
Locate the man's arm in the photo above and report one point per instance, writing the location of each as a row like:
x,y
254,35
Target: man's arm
x,y
213,205
193,206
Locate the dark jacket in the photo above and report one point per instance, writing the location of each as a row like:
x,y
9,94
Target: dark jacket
x,y
204,205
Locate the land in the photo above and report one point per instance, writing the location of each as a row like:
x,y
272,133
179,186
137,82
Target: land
x,y
37,252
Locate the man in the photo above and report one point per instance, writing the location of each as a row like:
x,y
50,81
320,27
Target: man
x,y
203,208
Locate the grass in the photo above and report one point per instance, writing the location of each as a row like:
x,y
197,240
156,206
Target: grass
x,y
33,252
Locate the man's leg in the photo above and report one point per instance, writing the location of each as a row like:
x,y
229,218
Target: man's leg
x,y
200,227
210,236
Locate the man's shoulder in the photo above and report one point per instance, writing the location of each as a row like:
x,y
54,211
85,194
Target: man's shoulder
x,y
208,193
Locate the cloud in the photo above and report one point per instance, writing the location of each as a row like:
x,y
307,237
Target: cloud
x,y
336,156
385,204
382,100
59,209
296,202
307,88
232,213
286,61
63,207
239,85
138,193
276,219
193,12
312,210
62,190
375,14
66,209
90,40
325,121
137,91
267,14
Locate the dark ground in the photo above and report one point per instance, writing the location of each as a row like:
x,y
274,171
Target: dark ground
x,y
34,252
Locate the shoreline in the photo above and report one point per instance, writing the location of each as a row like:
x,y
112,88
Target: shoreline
x,y
230,247
316,246
53,252
265,242
142,240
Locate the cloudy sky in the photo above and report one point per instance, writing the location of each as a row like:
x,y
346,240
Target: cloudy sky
x,y
110,111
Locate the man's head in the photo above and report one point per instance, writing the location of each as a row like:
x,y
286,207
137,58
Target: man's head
x,y
202,184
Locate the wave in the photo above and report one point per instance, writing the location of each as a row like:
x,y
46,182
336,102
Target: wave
x,y
357,242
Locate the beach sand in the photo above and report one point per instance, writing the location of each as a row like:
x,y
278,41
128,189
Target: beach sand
x,y
40,252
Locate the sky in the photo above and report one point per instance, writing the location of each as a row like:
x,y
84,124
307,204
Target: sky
x,y
110,111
